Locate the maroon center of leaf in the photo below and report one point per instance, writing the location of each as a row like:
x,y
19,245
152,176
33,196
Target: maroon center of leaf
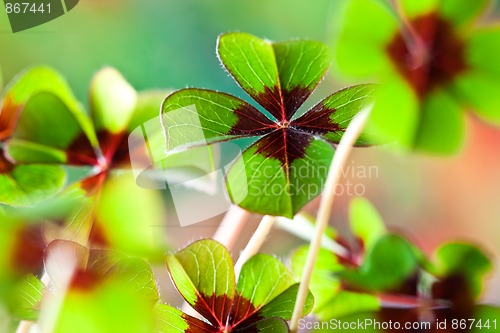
x,y
283,104
430,58
284,144
226,315
115,153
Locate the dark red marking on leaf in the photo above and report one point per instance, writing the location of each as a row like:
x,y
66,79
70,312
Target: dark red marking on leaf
x,y
81,152
214,308
6,166
251,122
294,98
114,147
198,326
272,100
434,62
284,144
317,121
224,314
242,313
28,250
85,280
283,104
8,118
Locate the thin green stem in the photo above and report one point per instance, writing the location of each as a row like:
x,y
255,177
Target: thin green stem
x,y
340,158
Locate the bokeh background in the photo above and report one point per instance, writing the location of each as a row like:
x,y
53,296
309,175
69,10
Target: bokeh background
x,y
171,44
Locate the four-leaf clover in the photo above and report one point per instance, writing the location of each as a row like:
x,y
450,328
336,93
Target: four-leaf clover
x,y
287,166
432,63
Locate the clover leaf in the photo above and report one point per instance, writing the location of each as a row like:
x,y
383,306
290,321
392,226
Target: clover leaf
x,y
286,167
106,291
40,159
261,300
384,277
433,63
25,184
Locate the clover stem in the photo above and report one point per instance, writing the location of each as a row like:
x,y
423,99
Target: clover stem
x,y
416,45
340,158
255,243
231,225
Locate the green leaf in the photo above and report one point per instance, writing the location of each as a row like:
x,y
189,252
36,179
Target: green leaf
x,y
252,63
346,303
112,101
462,11
282,305
330,117
138,276
386,266
113,307
262,279
486,315
26,185
203,274
366,27
130,218
366,223
301,66
280,181
195,117
442,125
33,142
395,124
24,298
464,260
419,8
31,83
279,76
104,291
476,88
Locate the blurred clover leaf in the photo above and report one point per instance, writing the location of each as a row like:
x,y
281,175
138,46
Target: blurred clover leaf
x,y
203,274
24,184
51,148
104,292
384,277
287,166
432,61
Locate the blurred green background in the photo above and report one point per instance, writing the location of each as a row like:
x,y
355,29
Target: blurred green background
x,y
171,44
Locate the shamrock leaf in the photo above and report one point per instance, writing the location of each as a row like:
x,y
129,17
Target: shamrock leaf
x,y
24,137
287,166
388,278
433,63
105,291
203,274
